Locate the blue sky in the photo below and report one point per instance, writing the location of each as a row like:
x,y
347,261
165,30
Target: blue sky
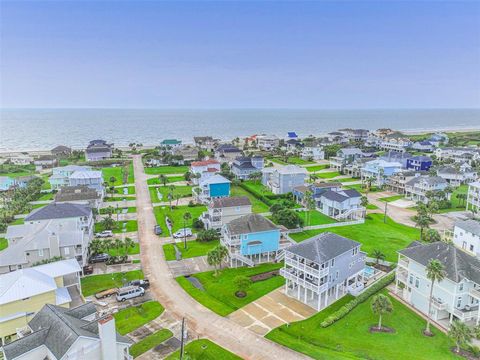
x,y
240,54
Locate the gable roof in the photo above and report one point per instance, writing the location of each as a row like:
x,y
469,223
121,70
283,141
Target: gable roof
x,y
323,247
341,196
431,180
458,264
251,223
75,193
205,162
215,179
231,202
59,211
472,226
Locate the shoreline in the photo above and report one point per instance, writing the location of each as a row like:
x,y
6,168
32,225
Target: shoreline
x,y
151,146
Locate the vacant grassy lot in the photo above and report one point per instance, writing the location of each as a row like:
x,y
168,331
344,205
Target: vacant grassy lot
x,y
166,170
121,251
457,204
131,225
374,234
131,209
170,179
116,172
130,190
317,168
176,216
257,187
183,191
94,283
194,249
258,206
219,294
295,160
204,349
349,338
3,244
132,318
327,175
150,342
391,198
46,196
315,218
119,198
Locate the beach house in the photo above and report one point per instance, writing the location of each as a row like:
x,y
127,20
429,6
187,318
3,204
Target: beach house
x,y
419,187
473,196
206,143
457,175
419,163
243,167
81,194
458,154
61,175
320,270
227,153
91,179
215,186
61,151
344,157
341,204
397,181
378,171
45,162
98,150
425,145
170,143
466,236
284,179
267,142
223,210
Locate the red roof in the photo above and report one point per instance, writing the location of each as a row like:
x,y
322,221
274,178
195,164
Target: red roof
x,y
205,162
212,170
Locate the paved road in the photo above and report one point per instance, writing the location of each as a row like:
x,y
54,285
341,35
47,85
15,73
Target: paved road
x,y
165,289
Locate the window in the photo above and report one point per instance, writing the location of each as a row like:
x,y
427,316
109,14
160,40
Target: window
x,y
459,302
464,245
410,280
337,274
40,252
417,283
67,250
460,287
332,262
471,247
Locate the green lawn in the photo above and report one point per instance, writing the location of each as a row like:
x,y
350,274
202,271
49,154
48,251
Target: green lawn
x,y
19,221
204,349
295,160
170,179
36,206
131,209
176,216
149,342
219,294
346,180
132,225
94,283
328,175
372,207
3,244
131,174
373,234
166,170
457,204
131,190
278,161
317,167
120,252
119,198
391,198
258,187
133,317
116,172
184,191
46,196
315,218
349,338
194,249
258,206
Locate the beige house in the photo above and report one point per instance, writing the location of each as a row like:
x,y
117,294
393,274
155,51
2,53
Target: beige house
x,y
223,210
24,292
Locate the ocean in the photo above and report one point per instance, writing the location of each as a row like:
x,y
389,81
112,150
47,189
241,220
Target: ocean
x,y
41,129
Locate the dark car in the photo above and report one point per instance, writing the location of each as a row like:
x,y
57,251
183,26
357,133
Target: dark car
x,y
87,270
99,258
142,283
158,230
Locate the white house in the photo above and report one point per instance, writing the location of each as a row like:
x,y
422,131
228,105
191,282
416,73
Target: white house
x,y
473,196
203,169
418,187
457,175
466,236
312,152
458,154
341,204
267,142
284,179
223,210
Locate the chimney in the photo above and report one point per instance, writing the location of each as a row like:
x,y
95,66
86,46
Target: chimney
x,y
108,338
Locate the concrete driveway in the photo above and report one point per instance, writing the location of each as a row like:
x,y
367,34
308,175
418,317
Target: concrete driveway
x,y
189,266
271,311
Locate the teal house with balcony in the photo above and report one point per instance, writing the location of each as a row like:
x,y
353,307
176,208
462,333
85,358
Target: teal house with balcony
x,y
212,187
251,239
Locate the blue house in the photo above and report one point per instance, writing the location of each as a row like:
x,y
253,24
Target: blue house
x,y
251,239
292,135
419,163
379,171
6,183
212,187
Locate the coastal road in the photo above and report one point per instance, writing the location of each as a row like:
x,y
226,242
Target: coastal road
x,y
166,290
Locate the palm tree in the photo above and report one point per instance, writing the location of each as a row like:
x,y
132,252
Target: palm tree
x,y
108,223
435,272
128,243
95,247
170,197
222,253
378,255
163,179
213,259
309,204
460,333
186,217
112,180
177,197
423,222
381,304
117,244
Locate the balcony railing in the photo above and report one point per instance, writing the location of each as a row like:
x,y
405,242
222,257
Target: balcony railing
x,y
475,293
303,282
439,305
307,269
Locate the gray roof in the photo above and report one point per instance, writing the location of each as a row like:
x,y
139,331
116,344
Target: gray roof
x,y
231,201
432,180
447,170
59,211
57,328
342,195
472,226
323,247
75,193
250,224
458,264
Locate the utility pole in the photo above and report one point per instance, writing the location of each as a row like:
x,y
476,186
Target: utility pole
x,y
182,339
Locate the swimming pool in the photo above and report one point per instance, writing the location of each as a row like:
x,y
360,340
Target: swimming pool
x,y
368,271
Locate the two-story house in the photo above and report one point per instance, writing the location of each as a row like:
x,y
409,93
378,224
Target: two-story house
x,y
284,179
45,162
457,175
344,157
425,145
322,269
379,171
316,190
251,239
419,163
455,297
395,156
25,291
395,142
61,151
458,154
312,152
58,229
243,167
56,333
170,143
341,204
419,187
61,175
473,196
204,169
207,143
79,195
267,142
98,150
223,210
227,153
91,179
466,236
397,181
215,186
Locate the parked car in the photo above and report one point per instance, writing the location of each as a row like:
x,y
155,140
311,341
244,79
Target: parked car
x,y
157,229
104,234
182,233
99,258
142,283
106,293
129,292
87,270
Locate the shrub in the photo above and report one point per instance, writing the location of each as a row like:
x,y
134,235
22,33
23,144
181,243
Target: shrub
x,y
344,310
207,235
198,224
